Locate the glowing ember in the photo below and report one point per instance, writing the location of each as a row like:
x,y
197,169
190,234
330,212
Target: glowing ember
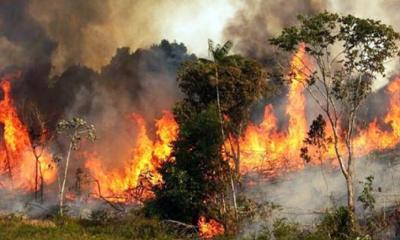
x,y
16,150
209,229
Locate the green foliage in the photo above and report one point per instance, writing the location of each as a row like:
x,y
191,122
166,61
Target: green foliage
x,y
361,48
131,227
367,198
336,224
282,230
241,82
219,52
347,53
316,137
194,178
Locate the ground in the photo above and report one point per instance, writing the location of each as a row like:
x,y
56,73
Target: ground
x,y
19,228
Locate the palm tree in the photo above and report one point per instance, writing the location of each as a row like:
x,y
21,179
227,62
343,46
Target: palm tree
x,y
218,54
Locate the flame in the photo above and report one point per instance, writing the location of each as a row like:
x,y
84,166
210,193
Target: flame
x,y
16,151
146,156
167,130
209,229
374,138
263,146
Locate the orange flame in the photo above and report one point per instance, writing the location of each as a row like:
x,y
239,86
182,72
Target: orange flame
x,y
263,147
210,229
146,157
16,151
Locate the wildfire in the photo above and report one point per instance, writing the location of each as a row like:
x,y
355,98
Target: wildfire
x,y
16,152
210,229
263,147
146,156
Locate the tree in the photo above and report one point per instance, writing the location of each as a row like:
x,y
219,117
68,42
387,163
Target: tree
x,y
75,130
231,82
195,175
40,138
348,53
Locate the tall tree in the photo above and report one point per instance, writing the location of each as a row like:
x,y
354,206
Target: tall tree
x,y
195,175
348,53
231,82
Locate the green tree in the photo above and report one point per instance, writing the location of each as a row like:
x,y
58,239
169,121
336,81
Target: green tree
x,y
196,174
348,53
233,83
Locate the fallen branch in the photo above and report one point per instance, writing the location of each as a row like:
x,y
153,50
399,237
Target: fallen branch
x,y
181,228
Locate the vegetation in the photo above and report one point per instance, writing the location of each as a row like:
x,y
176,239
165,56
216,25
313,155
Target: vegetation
x,y
201,177
233,83
133,227
218,95
75,129
349,53
194,179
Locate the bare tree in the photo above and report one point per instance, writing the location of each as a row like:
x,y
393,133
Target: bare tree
x,y
74,130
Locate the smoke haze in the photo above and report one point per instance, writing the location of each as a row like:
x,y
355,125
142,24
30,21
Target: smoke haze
x,y
104,59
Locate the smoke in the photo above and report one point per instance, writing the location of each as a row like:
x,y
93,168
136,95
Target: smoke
x,y
258,21
304,196
97,60
88,32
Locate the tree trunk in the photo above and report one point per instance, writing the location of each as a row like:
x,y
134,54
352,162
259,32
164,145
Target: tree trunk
x,y
346,171
221,119
36,175
349,178
41,184
350,200
65,180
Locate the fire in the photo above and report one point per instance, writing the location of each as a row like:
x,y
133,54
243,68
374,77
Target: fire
x,y
167,130
374,138
264,147
146,156
16,151
210,229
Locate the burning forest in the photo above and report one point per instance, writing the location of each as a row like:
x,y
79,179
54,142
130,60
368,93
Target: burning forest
x,y
292,133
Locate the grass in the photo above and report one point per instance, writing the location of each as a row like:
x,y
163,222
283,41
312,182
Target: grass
x,y
16,228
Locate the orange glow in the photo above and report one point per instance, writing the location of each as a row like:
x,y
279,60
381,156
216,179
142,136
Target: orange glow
x,y
167,130
209,229
146,156
273,152
16,152
263,146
